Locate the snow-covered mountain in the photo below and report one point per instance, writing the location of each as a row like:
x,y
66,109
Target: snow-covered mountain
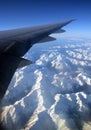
x,y
54,92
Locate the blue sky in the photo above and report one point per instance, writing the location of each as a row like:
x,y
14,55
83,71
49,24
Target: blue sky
x,y
22,13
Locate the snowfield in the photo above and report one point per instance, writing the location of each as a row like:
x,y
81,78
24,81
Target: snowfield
x,y
54,92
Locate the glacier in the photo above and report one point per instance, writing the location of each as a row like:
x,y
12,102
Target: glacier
x,y
54,92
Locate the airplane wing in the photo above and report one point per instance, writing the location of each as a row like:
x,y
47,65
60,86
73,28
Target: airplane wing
x,y
15,43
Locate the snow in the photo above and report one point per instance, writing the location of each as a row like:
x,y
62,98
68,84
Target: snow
x,y
54,92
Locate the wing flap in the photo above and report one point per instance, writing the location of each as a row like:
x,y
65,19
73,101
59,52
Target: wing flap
x,y
8,65
60,31
24,62
47,39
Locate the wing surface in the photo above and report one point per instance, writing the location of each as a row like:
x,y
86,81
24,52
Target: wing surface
x,y
15,43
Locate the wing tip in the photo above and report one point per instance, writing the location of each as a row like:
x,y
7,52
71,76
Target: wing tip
x,y
71,20
68,21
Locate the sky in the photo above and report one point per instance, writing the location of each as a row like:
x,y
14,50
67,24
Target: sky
x,y
24,13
